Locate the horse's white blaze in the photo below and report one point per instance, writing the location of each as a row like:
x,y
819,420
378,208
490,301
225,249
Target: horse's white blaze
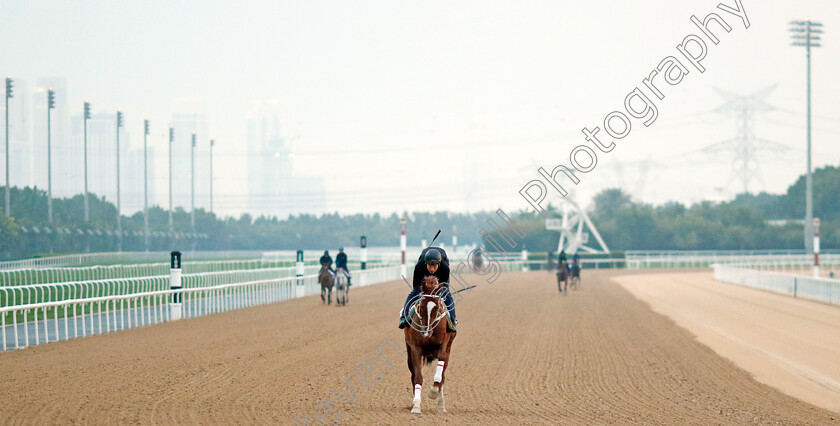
x,y
439,371
429,307
417,393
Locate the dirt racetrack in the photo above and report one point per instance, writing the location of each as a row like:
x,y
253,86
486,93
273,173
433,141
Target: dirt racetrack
x,y
524,354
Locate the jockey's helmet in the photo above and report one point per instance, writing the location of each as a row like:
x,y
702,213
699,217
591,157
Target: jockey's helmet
x,y
432,256
341,249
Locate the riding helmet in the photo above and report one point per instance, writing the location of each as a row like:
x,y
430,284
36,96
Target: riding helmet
x,y
432,256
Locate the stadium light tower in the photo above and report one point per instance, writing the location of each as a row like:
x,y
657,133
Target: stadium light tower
x,y
145,184
212,144
119,210
87,205
171,141
192,179
807,34
50,107
9,94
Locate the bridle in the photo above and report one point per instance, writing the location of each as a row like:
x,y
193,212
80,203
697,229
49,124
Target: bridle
x,y
426,330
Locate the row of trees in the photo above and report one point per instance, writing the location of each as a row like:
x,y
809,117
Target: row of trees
x,y
762,221
68,233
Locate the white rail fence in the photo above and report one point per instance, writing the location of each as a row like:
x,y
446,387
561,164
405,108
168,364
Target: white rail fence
x,y
706,258
85,259
823,290
55,292
37,323
100,272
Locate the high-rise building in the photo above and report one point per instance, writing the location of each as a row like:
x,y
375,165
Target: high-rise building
x,y
273,187
102,155
20,173
102,162
61,149
189,117
132,191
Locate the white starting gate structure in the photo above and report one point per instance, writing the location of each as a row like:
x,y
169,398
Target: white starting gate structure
x,y
575,228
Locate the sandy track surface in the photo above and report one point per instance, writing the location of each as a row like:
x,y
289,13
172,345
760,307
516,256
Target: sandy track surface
x,y
524,354
788,343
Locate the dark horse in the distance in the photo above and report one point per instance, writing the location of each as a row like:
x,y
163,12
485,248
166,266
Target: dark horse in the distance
x,y
563,277
427,339
326,279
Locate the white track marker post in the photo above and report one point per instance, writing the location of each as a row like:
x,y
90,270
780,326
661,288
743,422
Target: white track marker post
x,y
524,260
423,244
363,260
403,268
454,239
175,284
300,289
816,247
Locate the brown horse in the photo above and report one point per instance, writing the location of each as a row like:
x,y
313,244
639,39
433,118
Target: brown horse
x,y
562,277
477,262
427,339
326,279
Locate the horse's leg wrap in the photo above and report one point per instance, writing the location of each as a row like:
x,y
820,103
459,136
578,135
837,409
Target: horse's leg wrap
x,y
417,393
439,371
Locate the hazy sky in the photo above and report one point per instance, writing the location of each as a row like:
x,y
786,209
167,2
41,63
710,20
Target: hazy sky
x,y
384,97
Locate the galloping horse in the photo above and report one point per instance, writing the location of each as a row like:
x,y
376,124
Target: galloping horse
x,y
427,339
326,279
342,290
478,261
562,277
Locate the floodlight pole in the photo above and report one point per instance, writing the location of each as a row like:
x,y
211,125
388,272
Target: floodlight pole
x,y
9,83
806,34
119,205
146,183
171,141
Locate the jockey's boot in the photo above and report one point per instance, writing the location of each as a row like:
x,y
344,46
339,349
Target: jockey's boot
x,y
452,328
403,321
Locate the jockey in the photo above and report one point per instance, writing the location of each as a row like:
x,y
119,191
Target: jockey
x,y
562,256
327,260
341,262
430,263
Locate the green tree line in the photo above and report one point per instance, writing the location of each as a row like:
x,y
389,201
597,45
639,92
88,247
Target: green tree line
x,y
750,221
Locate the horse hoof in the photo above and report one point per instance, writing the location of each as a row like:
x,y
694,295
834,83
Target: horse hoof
x,y
415,410
442,411
433,392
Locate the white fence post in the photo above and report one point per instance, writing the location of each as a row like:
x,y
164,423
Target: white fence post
x,y
816,247
403,222
300,289
175,284
524,260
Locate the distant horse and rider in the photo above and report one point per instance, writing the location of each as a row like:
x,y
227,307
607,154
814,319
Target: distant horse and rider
x,y
338,278
568,273
477,260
